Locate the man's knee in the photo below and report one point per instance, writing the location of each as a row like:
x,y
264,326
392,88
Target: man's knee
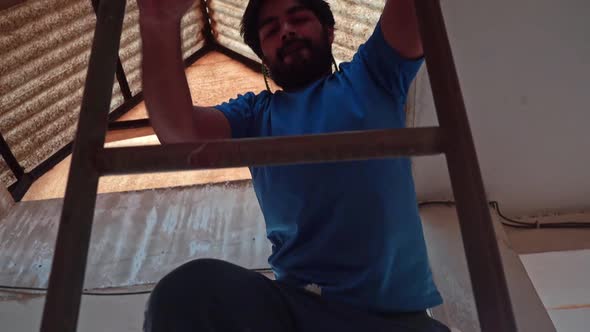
x,y
193,279
185,290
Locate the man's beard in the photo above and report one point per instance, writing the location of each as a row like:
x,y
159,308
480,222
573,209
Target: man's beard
x,y
301,73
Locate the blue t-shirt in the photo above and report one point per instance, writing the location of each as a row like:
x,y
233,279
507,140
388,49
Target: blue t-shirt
x,y
351,228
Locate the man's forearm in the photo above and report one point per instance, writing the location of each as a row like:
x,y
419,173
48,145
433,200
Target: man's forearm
x,y
165,87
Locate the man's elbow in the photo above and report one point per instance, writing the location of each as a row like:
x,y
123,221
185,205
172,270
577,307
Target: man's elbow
x,y
166,136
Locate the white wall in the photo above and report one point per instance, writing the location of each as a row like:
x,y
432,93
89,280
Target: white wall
x,y
524,68
97,314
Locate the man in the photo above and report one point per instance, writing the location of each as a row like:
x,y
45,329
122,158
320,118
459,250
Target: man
x,y
348,251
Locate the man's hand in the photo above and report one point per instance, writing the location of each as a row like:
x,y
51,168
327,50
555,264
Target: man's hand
x,y
163,11
400,28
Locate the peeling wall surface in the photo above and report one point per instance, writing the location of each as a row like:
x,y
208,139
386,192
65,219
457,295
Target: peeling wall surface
x,y
138,237
6,202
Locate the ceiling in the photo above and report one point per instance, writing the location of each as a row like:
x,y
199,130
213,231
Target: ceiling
x,y
523,68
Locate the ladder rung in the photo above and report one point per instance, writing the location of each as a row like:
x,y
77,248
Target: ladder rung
x,y
272,151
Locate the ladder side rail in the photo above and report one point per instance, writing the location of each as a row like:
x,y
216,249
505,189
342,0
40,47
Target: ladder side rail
x,y
481,248
62,304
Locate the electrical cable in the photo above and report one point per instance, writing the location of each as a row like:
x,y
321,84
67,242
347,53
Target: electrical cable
x,y
42,291
517,223
553,225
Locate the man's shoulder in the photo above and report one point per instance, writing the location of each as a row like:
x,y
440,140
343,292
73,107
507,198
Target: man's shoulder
x,y
261,100
249,100
252,96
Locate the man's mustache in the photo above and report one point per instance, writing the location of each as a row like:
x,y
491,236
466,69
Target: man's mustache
x,y
281,51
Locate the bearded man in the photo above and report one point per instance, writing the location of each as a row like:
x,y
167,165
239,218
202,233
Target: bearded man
x,y
348,252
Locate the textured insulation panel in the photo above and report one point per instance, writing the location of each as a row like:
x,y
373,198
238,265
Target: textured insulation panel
x,y
44,52
355,21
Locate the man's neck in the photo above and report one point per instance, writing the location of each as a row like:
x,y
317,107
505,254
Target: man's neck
x,y
305,86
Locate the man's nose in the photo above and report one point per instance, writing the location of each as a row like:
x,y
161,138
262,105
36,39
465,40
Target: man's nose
x,y
287,32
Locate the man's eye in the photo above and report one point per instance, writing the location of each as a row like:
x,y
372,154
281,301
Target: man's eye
x,y
298,20
271,31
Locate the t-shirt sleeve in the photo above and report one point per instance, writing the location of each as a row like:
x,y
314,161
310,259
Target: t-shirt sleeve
x,y
242,114
385,65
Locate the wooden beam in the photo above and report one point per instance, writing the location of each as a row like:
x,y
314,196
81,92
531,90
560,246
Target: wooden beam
x,y
271,151
10,159
207,27
5,4
120,72
481,248
253,65
129,124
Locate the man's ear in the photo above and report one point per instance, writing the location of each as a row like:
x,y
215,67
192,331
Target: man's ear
x,y
330,34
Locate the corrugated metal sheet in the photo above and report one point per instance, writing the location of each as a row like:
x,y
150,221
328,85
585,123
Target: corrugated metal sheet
x,y
137,237
44,52
355,21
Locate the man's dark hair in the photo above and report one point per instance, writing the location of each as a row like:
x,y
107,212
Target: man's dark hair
x,y
249,26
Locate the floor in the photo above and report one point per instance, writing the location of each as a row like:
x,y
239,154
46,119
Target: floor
x,y
561,279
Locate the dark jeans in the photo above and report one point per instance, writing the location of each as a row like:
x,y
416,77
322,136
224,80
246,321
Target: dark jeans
x,y
212,295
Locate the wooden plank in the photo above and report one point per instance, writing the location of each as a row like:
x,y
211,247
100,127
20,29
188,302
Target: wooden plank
x,y
481,249
272,151
67,272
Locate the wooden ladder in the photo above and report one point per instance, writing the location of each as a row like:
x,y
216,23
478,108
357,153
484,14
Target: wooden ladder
x,y
453,138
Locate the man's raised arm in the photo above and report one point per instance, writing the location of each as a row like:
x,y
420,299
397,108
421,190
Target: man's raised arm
x,y
400,28
165,88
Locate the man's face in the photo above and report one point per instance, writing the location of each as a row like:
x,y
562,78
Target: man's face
x,y
295,45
